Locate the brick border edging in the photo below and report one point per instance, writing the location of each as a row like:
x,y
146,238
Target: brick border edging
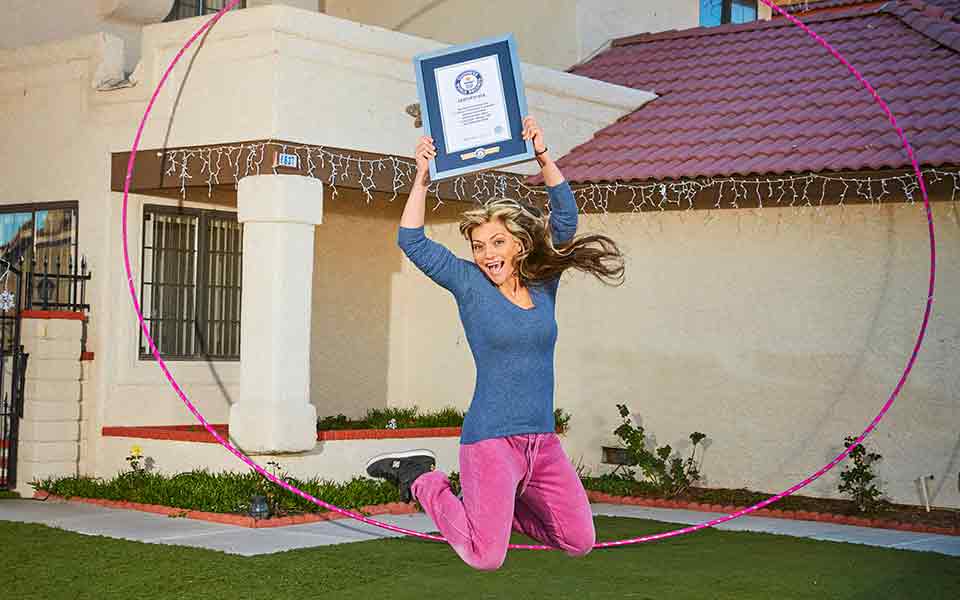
x,y
797,515
66,315
173,433
391,508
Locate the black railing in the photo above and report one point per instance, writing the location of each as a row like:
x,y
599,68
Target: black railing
x,y
13,368
53,285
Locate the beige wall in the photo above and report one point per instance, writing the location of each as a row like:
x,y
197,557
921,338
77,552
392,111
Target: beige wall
x,y
27,22
600,22
552,33
355,261
776,340
269,72
312,5
341,460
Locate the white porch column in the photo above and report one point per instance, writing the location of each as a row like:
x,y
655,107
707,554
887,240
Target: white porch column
x,y
274,413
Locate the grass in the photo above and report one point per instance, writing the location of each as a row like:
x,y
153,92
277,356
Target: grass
x,y
41,562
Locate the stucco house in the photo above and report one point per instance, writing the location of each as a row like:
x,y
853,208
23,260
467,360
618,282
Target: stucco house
x,y
777,255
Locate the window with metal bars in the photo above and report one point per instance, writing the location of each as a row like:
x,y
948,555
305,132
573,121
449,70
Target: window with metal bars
x,y
184,9
191,283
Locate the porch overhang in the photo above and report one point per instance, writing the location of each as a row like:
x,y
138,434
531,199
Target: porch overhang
x,y
177,171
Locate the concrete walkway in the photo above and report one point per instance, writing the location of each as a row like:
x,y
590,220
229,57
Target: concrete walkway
x,y
156,529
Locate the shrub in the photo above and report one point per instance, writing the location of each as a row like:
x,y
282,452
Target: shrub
x,y
669,475
394,418
857,479
225,492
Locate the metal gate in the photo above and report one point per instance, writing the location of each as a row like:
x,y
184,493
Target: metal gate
x,y
13,368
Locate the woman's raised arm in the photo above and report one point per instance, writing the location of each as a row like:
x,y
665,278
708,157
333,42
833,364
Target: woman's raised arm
x,y
413,211
433,259
563,207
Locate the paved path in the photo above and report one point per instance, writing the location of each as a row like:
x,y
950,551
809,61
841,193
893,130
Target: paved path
x,y
157,529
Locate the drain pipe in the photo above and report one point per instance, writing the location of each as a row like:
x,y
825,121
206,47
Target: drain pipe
x,y
923,487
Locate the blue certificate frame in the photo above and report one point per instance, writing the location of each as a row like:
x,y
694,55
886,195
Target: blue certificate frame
x,y
472,104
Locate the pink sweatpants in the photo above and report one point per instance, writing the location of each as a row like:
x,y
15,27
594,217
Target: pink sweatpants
x,y
522,482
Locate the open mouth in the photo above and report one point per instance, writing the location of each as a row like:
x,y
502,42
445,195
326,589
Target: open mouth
x,y
495,267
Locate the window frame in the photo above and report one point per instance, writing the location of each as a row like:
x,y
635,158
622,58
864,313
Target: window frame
x,y
726,13
33,208
202,9
201,285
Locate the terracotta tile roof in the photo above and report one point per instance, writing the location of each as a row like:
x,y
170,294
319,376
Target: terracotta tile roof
x,y
806,8
763,98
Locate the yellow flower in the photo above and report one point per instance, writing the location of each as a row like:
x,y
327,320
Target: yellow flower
x,y
136,451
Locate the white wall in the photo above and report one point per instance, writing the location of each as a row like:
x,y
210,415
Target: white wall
x,y
552,33
262,73
311,5
776,340
600,22
28,22
356,258
340,460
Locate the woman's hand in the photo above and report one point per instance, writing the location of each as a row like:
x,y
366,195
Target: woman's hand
x,y
425,151
532,131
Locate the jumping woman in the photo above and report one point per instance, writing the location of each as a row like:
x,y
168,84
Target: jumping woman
x,y
514,473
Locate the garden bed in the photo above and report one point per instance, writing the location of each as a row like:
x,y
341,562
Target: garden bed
x,y
224,497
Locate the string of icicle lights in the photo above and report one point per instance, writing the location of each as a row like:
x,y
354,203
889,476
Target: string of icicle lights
x,y
811,190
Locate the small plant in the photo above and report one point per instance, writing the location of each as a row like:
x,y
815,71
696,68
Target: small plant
x,y
269,490
136,455
669,475
857,479
454,478
562,420
329,423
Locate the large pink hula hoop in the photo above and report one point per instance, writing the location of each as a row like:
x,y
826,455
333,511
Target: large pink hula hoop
x,y
649,538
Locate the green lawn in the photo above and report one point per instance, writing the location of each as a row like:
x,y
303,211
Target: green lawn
x,y
40,562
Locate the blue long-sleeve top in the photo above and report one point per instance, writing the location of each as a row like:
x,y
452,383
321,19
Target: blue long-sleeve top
x,y
513,347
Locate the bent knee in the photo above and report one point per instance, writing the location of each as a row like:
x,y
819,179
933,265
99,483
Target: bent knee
x,y
580,544
490,561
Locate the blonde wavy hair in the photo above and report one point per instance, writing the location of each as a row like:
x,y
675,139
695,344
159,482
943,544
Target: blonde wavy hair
x,y
539,259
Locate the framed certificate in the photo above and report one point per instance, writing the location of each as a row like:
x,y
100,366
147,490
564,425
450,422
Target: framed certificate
x,y
472,105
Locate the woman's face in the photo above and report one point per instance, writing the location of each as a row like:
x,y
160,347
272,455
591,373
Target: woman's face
x,y
494,249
